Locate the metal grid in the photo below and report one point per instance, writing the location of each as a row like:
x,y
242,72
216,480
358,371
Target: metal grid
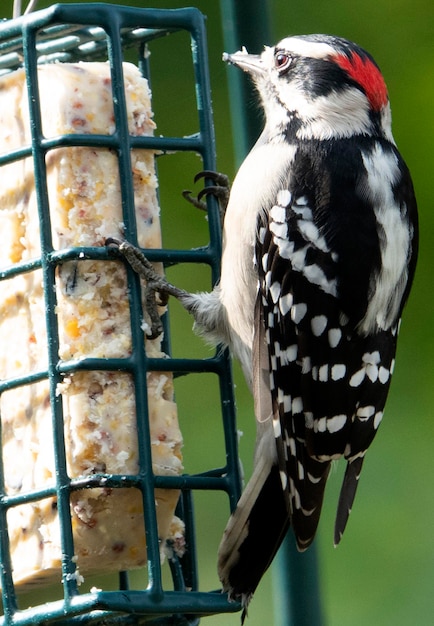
x,y
71,33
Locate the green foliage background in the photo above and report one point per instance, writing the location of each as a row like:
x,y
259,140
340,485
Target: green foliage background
x,y
383,571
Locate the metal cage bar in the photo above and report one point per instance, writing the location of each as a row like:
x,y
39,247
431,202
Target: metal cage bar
x,y
70,33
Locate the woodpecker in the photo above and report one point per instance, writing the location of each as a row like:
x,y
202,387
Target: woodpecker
x,y
320,242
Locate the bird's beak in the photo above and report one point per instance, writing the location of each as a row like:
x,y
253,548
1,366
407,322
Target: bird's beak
x,y
250,63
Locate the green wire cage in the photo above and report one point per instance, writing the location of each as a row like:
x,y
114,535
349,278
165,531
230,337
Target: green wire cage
x,y
105,32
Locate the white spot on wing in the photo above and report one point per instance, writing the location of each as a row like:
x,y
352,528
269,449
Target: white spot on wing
x,y
309,230
308,513
357,378
328,457
298,259
383,375
310,233
280,231
301,201
298,311
289,355
338,371
377,419
284,197
320,426
334,335
285,303
308,419
300,470
313,479
306,365
284,480
275,291
319,324
303,211
372,372
316,276
286,248
278,214
323,373
335,423
268,280
371,357
297,405
365,412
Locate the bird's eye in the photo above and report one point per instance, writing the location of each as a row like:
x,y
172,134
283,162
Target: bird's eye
x,y
282,61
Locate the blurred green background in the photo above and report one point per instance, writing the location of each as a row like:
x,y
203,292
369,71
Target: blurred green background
x,y
383,571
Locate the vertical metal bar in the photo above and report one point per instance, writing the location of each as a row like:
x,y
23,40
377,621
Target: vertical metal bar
x,y
295,576
206,125
10,605
140,366
48,271
204,106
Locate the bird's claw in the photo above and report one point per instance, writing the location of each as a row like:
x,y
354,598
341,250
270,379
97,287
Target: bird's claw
x,y
155,283
186,194
219,190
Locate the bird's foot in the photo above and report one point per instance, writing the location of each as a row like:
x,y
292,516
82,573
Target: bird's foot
x,y
155,283
220,190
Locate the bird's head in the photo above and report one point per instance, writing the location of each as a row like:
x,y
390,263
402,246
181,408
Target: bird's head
x,y
318,87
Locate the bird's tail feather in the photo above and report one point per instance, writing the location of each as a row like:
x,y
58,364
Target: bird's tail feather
x,y
253,534
347,495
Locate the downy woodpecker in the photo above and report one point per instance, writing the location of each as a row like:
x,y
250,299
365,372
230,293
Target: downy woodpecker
x,y
320,245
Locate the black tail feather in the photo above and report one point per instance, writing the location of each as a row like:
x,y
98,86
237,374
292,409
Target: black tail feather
x,y
347,495
251,541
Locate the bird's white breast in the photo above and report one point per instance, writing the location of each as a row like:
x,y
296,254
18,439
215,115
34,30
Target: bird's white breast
x,y
262,175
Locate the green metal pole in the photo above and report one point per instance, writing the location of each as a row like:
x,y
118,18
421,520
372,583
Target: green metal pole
x,y
245,23
296,590
295,576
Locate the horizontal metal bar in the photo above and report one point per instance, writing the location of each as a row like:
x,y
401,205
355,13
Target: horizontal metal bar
x,y
120,481
211,365
162,144
125,602
190,143
167,256
20,268
26,498
114,481
20,381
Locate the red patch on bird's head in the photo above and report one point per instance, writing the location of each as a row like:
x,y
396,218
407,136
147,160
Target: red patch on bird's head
x,y
364,72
